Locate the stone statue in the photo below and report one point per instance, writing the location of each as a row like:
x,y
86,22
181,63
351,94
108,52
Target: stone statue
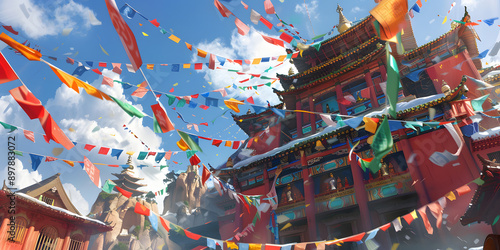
x,y
289,195
332,182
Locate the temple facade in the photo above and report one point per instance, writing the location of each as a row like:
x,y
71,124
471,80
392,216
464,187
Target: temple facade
x,y
45,218
324,195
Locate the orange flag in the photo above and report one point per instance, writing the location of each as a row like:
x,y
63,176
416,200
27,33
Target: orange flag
x,y
391,16
26,51
141,209
233,104
165,224
124,192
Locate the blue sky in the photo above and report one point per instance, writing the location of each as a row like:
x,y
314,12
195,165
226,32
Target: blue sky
x,y
196,22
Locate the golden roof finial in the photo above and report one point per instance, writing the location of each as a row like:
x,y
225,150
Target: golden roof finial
x,y
344,24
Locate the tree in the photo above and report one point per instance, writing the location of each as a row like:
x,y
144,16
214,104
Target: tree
x,y
150,196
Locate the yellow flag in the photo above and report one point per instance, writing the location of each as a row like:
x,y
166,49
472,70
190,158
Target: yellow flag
x,y
231,245
445,18
233,104
31,54
144,34
254,246
451,196
174,38
286,226
182,145
414,214
150,66
186,65
256,60
103,50
228,144
370,125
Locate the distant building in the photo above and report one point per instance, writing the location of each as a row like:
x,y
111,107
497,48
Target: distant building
x,y
45,218
128,181
321,193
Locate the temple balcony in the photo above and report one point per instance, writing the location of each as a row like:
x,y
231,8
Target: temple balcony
x,y
293,211
391,186
335,199
460,109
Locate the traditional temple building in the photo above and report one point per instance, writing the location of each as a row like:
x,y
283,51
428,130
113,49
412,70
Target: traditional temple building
x,y
322,194
45,218
128,181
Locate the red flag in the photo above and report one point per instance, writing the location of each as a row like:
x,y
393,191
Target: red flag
x,y
10,29
155,23
7,74
107,81
50,158
437,212
162,118
408,218
140,92
265,22
141,209
385,227
97,71
34,109
211,62
250,100
236,144
91,170
165,224
194,160
29,135
103,64
204,123
103,151
222,9
204,107
89,147
269,7
244,202
168,155
124,192
242,27
205,175
427,224
285,37
192,235
216,142
126,35
463,190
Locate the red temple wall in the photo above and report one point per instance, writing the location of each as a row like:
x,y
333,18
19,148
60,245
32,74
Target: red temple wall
x,y
440,180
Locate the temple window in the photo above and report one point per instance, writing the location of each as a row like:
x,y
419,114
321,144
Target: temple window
x,y
47,239
20,230
76,242
46,200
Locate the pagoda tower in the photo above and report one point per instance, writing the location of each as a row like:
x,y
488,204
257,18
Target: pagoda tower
x,y
127,181
344,24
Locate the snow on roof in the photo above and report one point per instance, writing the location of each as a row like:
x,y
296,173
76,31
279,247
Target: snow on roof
x,y
399,107
25,196
486,134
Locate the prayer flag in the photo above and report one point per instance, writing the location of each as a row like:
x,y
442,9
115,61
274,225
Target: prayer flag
x,y
108,186
194,160
477,104
116,152
265,22
153,219
463,190
103,151
285,37
35,110
7,74
124,192
35,161
142,155
141,209
216,142
165,224
162,118
29,135
392,84
92,171
11,30
233,104
222,9
254,17
125,34
244,6
193,145
29,53
128,108
155,23
192,235
242,27
205,175
390,14
202,53
211,63
381,145
269,7
427,224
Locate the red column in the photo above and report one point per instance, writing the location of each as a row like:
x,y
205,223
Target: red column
x,y
298,117
312,118
371,87
415,174
309,199
383,72
29,239
361,195
3,233
342,108
67,239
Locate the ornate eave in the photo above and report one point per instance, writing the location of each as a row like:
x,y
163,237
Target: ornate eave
x,y
351,66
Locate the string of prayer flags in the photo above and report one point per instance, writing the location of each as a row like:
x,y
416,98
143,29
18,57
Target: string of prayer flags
x,y
35,110
190,141
222,9
128,108
125,34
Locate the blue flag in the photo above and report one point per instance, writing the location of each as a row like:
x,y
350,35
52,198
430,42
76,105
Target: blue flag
x,y
116,152
154,221
175,67
35,161
127,11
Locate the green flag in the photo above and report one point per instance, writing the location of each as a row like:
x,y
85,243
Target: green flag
x,y
108,186
156,126
18,153
340,122
129,109
189,141
381,145
392,83
190,153
8,126
181,103
171,99
317,46
477,104
412,125
142,155
163,166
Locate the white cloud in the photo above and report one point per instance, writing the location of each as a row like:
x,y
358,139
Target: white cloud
x,y
245,47
23,177
427,38
50,18
311,7
356,9
76,198
432,20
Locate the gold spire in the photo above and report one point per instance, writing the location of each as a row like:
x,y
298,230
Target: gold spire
x,y
344,24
